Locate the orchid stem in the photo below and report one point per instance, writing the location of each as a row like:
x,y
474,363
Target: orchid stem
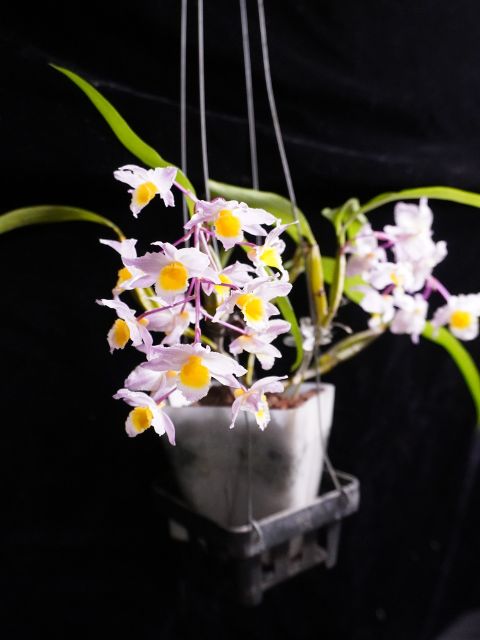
x,y
183,239
170,306
165,396
198,313
438,286
186,192
213,259
250,369
222,322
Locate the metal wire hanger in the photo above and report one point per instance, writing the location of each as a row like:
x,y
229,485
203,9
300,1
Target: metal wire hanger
x,y
253,166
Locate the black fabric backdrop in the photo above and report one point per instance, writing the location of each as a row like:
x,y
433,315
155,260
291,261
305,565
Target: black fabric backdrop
x,y
372,96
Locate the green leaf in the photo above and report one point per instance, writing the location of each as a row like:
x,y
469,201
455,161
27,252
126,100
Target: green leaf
x,y
46,214
277,205
288,313
462,359
436,193
342,216
130,140
351,282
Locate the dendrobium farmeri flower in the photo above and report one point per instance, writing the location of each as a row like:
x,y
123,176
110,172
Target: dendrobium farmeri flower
x,y
208,313
396,266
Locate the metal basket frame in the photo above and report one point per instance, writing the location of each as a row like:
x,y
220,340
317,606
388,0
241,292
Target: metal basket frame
x,y
266,552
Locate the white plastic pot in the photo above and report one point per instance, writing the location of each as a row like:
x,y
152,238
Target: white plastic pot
x,y
211,461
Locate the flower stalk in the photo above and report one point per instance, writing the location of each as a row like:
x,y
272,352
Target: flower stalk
x,y
316,282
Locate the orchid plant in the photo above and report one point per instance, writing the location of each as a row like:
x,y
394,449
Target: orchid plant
x,y
216,293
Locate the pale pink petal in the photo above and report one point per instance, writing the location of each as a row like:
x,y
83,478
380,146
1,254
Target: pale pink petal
x,y
142,379
133,398
250,216
162,423
254,229
150,263
126,248
163,177
131,175
218,363
269,384
170,358
236,406
227,379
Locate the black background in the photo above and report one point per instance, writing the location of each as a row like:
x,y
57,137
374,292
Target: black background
x,y
372,96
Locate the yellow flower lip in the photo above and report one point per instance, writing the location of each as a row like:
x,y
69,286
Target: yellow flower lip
x,y
141,418
396,279
144,193
460,319
120,333
252,307
227,224
223,292
270,257
173,277
123,275
194,374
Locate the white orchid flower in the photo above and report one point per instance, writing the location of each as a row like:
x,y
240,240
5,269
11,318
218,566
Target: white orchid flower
x,y
431,254
379,306
364,252
146,413
172,322
231,219
128,278
255,401
461,314
158,383
411,219
397,275
170,269
254,301
236,275
146,184
259,343
196,366
269,254
127,327
410,317
412,234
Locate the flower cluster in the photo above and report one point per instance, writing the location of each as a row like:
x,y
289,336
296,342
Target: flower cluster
x,y
396,265
183,286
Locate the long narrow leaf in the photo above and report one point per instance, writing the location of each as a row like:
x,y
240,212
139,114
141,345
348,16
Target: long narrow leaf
x,y
436,193
351,282
462,359
272,202
130,140
288,313
47,214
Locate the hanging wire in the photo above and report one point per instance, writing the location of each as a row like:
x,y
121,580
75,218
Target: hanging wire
x,y
203,119
248,84
273,107
183,103
293,201
201,77
247,65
